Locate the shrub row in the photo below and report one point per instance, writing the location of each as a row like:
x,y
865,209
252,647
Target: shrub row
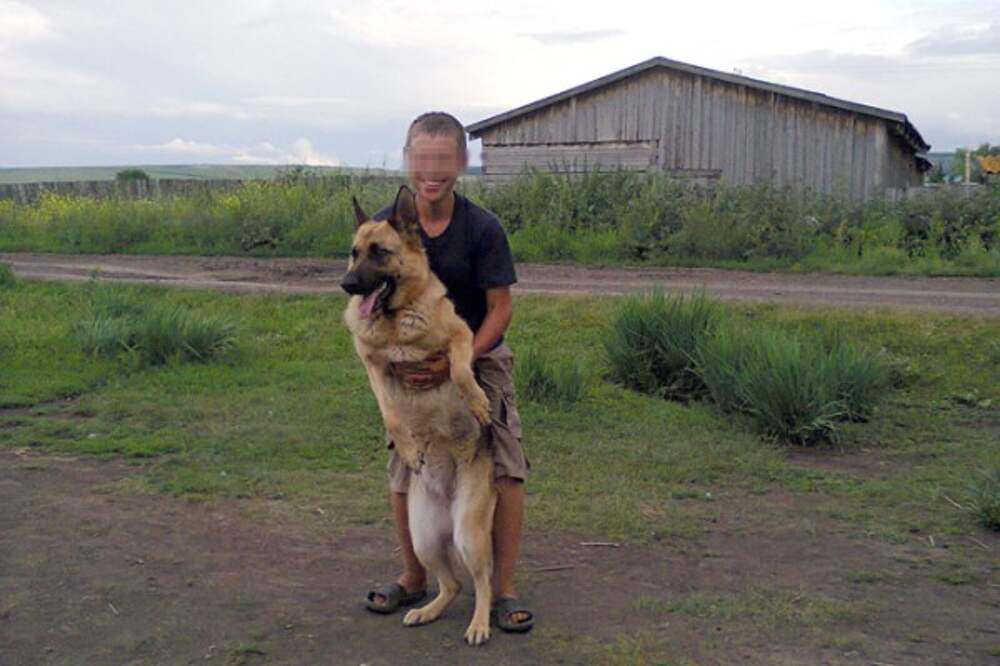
x,y
603,217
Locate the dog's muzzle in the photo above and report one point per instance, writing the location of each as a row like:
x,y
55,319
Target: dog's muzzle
x,y
352,284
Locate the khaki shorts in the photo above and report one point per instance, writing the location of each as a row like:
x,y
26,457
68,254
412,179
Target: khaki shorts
x,y
494,372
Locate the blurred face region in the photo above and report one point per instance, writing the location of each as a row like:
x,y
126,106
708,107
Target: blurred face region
x,y
435,163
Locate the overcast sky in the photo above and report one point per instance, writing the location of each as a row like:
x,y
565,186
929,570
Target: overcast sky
x,y
256,81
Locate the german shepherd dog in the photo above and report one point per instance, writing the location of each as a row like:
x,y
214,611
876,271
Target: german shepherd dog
x,y
399,313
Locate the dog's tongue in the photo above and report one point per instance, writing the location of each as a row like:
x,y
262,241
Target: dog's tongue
x,y
366,304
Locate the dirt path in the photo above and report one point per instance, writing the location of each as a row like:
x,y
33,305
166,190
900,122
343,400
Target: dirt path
x,y
974,296
89,576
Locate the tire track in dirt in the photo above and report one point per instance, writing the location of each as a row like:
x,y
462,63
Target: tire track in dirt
x,y
969,296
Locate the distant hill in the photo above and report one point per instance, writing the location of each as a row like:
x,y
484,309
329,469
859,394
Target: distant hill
x,y
181,171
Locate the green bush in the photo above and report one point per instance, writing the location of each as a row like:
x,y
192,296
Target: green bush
x,y
793,387
652,218
7,277
126,175
105,336
546,381
858,378
172,331
303,216
651,342
789,387
600,217
120,321
984,498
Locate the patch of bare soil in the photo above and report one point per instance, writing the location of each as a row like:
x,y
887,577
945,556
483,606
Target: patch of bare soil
x,y
93,577
975,296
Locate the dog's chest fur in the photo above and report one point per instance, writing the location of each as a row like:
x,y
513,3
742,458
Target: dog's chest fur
x,y
405,335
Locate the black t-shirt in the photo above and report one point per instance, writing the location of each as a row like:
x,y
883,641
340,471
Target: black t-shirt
x,y
471,256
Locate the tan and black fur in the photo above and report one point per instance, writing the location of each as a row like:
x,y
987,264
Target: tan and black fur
x,y
399,313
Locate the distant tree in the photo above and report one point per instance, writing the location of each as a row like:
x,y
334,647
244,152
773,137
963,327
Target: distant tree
x,y
129,175
293,174
937,174
957,169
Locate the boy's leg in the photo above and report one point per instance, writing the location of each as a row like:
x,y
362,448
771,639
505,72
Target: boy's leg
x,y
507,521
413,578
494,371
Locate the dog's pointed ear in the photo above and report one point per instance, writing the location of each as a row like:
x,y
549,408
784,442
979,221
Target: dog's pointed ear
x,y
359,214
404,212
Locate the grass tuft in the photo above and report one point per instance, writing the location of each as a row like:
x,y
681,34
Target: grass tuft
x,y
651,342
793,387
858,377
786,385
7,278
984,498
548,381
151,333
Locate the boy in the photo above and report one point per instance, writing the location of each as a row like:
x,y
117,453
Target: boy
x,y
468,251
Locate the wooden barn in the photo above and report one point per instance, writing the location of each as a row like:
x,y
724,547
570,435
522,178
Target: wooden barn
x,y
691,122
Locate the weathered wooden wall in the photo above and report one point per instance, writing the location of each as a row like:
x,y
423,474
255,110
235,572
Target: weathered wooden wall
x,y
572,157
703,125
134,189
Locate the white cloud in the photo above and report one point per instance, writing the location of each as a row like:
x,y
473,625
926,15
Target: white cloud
x,y
353,74
304,153
21,23
193,108
264,152
187,148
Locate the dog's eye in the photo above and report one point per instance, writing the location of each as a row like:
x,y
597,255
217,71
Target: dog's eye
x,y
378,251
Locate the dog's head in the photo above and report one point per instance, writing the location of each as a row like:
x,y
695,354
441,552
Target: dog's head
x,y
385,256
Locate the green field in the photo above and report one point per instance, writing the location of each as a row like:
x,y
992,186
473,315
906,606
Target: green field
x,y
289,414
283,428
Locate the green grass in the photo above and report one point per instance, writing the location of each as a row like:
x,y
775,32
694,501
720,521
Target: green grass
x,y
122,321
984,497
549,381
866,577
7,278
772,608
292,416
652,341
610,217
294,217
794,387
178,171
618,217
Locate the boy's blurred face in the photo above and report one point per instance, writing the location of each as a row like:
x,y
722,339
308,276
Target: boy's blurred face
x,y
435,163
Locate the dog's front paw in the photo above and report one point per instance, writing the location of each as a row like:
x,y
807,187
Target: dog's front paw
x,y
479,404
477,633
419,616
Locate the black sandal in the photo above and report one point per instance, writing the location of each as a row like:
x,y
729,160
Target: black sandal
x,y
505,608
395,597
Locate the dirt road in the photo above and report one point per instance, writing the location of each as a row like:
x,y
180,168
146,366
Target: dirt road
x,y
973,296
92,576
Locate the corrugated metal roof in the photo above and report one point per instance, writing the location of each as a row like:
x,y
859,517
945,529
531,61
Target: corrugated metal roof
x,y
909,132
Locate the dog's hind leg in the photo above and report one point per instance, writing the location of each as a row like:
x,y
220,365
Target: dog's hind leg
x,y
430,528
473,512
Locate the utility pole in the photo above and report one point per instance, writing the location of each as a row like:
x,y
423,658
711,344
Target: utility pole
x,y
968,166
